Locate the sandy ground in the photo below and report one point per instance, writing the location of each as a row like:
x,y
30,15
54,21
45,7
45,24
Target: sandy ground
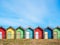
x,y
30,42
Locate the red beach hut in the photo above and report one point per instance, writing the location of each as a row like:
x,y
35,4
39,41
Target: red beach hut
x,y
38,33
2,33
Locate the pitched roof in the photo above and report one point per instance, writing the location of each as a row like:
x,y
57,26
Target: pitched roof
x,y
57,28
48,28
38,28
11,28
30,28
20,28
2,28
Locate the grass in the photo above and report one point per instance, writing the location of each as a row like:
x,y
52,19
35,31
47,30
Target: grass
x,y
30,42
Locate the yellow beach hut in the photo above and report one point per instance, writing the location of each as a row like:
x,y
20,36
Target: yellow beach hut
x,y
10,32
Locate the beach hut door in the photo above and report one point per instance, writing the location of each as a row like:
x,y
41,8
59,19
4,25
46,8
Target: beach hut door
x,y
18,35
46,35
9,35
37,35
55,35
27,35
0,35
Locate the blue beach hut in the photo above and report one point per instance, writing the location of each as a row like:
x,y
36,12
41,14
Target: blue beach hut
x,y
48,33
29,33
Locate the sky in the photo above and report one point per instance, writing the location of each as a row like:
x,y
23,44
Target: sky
x,y
29,13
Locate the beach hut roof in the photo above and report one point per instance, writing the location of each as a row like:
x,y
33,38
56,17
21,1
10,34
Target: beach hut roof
x,y
2,28
49,28
20,28
57,28
29,28
39,28
11,28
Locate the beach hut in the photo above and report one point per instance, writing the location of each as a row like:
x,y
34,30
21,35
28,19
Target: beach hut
x,y
20,33
29,33
48,33
2,33
56,33
10,33
38,33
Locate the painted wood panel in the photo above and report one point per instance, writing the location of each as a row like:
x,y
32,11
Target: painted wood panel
x,y
10,32
57,29
20,33
50,32
39,34
29,33
2,33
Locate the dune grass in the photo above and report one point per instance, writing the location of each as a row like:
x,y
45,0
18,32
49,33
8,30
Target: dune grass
x,y
30,42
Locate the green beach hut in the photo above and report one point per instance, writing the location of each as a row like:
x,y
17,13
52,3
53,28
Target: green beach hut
x,y
20,33
56,33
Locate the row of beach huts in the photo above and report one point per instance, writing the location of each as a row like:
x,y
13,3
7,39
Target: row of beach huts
x,y
29,33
